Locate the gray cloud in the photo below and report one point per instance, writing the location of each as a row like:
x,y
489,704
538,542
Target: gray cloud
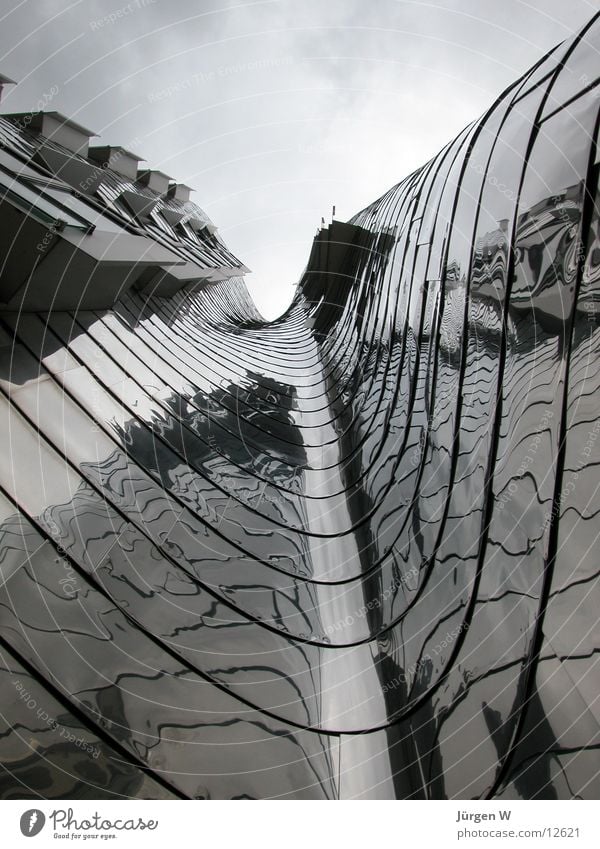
x,y
275,110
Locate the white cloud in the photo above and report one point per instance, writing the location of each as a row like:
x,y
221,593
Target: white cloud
x,y
276,110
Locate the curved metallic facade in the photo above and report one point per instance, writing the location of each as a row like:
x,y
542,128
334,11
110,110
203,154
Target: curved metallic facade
x,y
350,553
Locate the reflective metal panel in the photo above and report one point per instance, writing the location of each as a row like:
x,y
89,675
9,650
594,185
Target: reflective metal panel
x,y
346,554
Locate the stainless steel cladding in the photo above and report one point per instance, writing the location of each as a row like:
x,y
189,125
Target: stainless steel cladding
x,y
350,553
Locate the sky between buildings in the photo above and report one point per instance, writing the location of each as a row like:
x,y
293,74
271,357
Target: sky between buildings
x,y
276,110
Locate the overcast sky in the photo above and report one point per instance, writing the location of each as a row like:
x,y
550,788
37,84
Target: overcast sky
x,y
274,110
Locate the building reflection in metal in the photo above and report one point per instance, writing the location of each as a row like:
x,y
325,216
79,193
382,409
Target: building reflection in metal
x,y
346,554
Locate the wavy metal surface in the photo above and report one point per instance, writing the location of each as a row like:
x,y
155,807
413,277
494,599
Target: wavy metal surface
x,y
346,554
